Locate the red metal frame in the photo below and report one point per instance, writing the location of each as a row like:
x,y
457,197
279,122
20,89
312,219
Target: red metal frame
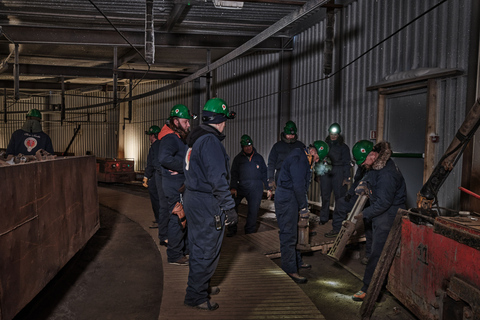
x,y
429,257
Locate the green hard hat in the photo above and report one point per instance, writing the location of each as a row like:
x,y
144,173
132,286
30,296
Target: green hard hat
x,y
34,113
334,128
245,140
361,149
322,148
153,130
290,128
218,105
181,111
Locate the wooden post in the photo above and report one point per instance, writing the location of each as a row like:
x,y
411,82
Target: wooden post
x,y
383,267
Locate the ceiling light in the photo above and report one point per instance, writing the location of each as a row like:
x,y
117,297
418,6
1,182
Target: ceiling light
x,y
225,4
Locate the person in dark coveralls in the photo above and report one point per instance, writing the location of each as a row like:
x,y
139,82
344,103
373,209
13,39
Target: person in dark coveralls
x,y
249,177
338,178
209,205
360,151
171,157
386,189
163,212
149,174
30,138
280,150
291,199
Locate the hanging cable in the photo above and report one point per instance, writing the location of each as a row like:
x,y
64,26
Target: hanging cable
x,y
351,62
129,43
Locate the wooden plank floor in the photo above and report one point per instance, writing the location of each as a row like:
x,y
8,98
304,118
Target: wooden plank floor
x,y
252,286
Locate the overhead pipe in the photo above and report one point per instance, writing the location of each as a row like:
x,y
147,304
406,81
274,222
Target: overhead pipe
x,y
16,75
5,105
62,105
115,77
262,36
149,33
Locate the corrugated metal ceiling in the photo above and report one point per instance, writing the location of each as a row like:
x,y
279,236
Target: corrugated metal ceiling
x,y
75,39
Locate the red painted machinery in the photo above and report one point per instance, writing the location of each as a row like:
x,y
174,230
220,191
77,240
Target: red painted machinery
x,y
115,170
436,270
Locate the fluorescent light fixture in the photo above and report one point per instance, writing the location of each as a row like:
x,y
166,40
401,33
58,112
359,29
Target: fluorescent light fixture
x,y
220,4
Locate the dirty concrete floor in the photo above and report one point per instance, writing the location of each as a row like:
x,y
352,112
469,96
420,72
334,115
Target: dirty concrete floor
x,y
118,275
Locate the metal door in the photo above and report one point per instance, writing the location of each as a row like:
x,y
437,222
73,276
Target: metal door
x,y
405,121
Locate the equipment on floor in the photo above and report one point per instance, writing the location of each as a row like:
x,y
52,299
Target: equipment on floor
x,y
303,230
348,228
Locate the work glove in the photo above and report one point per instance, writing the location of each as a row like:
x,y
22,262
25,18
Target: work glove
x,y
347,198
362,188
304,213
233,192
231,217
271,184
304,216
145,182
269,194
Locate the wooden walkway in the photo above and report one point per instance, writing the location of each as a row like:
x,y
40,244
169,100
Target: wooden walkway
x,y
252,286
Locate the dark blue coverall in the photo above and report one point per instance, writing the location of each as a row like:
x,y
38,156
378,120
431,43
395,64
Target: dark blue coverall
x,y
28,143
163,215
152,185
387,195
249,177
290,197
207,195
171,158
345,204
339,155
277,155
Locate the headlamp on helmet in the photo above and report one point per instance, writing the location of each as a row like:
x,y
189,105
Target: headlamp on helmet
x,y
334,128
181,111
218,106
290,128
245,140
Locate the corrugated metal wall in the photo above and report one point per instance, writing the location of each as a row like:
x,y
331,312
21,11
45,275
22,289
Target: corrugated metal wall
x,y
152,110
250,87
432,41
98,128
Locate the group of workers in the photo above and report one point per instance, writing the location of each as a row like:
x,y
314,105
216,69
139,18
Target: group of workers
x,y
190,178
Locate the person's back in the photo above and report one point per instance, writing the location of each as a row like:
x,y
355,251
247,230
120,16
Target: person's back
x,y
209,206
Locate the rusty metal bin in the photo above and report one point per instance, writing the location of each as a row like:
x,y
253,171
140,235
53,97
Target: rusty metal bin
x,y
48,212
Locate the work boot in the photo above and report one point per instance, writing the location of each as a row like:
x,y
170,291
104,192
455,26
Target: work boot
x,y
213,290
154,225
306,266
297,278
331,234
206,306
183,261
359,296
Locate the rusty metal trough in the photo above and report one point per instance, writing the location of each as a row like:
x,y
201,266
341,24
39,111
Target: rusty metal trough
x,y
48,212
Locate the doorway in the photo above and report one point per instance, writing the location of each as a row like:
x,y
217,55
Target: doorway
x,y
405,125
